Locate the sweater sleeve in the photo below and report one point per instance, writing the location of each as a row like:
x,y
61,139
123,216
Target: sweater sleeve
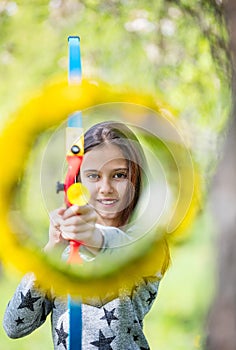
x,y
113,239
144,295
27,310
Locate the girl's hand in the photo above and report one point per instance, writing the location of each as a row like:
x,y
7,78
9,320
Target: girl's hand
x,y
55,236
78,224
74,223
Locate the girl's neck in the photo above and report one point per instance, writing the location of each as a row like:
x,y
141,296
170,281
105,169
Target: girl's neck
x,y
109,222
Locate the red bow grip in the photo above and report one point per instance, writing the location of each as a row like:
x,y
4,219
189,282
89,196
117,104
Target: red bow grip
x,y
74,163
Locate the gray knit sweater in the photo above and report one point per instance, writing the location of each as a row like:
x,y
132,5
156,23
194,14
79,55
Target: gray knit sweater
x,y
106,325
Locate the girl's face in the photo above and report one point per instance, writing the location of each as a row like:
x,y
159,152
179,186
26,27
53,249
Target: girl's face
x,y
104,171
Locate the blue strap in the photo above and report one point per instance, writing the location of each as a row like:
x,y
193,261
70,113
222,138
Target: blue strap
x,y
75,324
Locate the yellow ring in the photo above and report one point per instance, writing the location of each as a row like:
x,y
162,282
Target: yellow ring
x,y
45,109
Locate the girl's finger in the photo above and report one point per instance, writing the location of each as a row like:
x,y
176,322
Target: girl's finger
x,y
76,210
81,235
61,211
79,219
77,227
70,212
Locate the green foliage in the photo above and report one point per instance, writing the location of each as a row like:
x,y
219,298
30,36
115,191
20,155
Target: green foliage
x,y
174,49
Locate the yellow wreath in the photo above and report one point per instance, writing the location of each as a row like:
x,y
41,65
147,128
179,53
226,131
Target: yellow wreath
x,y
50,106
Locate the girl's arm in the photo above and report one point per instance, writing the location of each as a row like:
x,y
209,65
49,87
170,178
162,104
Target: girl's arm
x,y
113,238
27,310
79,224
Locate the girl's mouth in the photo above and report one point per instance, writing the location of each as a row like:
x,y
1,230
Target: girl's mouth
x,y
107,201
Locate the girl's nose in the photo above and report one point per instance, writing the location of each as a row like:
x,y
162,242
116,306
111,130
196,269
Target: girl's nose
x,y
105,186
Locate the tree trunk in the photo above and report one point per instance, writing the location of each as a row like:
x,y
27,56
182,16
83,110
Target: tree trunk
x,y
222,317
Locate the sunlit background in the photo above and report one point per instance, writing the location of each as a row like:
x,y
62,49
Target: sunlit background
x,y
173,49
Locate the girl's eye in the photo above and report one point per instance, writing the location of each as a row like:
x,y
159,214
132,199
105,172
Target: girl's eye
x,y
93,176
120,176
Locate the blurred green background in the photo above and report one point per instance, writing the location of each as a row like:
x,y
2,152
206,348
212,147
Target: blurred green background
x,y
174,49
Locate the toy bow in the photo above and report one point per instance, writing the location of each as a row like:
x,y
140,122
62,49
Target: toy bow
x,y
75,193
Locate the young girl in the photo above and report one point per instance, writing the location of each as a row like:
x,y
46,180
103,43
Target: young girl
x,y
112,171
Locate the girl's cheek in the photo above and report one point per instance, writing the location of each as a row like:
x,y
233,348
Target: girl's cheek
x,y
127,192
123,187
92,189
86,183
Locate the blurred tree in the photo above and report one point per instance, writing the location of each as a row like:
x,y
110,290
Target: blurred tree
x,y
222,317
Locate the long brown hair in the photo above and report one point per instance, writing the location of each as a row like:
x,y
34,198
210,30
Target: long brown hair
x,y
119,134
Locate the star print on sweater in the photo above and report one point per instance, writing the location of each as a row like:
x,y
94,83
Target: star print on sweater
x,y
19,321
103,343
27,301
129,330
109,316
62,335
152,297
